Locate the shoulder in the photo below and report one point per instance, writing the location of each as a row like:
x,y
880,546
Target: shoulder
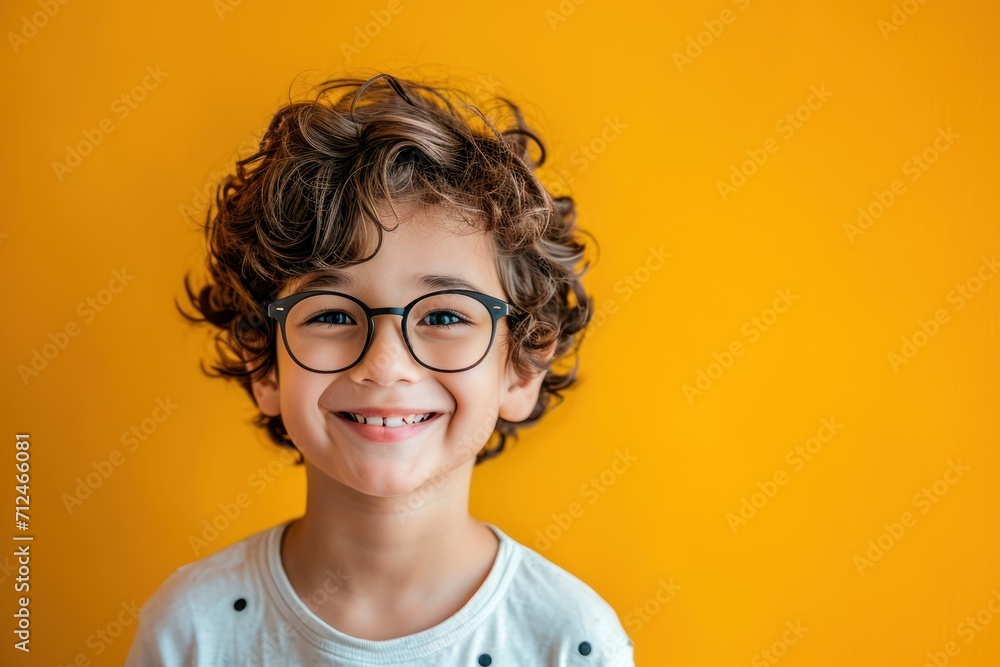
x,y
193,603
557,603
198,583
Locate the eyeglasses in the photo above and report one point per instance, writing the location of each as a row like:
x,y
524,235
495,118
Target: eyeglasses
x,y
447,331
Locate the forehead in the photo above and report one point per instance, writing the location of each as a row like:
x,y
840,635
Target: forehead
x,y
339,279
427,249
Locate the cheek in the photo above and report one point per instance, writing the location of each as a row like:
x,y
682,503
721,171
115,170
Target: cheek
x,y
300,393
477,398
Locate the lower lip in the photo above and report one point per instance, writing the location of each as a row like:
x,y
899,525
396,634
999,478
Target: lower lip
x,y
385,434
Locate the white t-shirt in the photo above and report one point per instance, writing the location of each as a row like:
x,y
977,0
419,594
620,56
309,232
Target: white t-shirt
x,y
237,607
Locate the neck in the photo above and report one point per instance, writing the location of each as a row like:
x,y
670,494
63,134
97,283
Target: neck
x,y
387,552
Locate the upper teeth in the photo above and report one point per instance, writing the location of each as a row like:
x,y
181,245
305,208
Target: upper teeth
x,y
391,422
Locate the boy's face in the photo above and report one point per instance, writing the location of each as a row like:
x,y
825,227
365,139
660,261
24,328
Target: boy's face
x,y
467,402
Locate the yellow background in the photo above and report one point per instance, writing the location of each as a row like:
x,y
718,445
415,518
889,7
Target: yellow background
x,y
642,138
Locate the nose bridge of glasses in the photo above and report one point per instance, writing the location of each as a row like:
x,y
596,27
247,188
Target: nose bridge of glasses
x,y
383,353
386,311
373,312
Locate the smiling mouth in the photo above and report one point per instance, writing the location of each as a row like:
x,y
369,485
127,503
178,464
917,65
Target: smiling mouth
x,y
388,422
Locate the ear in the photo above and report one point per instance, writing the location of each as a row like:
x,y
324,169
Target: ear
x,y
265,392
521,394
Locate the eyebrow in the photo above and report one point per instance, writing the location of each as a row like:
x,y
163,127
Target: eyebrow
x,y
333,278
440,281
328,278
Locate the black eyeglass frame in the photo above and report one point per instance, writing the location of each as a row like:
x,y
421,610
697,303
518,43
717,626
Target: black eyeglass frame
x,y
279,310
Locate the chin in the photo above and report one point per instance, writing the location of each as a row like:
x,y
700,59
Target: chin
x,y
384,481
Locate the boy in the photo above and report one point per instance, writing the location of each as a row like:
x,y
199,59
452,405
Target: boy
x,y
392,287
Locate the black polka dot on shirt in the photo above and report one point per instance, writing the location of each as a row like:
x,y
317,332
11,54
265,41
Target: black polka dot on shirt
x,y
485,660
584,648
240,605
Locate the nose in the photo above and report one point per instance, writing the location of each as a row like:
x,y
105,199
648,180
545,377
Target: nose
x,y
387,360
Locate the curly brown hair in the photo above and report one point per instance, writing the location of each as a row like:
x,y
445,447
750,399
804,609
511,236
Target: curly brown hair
x,y
306,201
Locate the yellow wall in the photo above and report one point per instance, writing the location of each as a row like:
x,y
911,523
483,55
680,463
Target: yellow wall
x,y
719,150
